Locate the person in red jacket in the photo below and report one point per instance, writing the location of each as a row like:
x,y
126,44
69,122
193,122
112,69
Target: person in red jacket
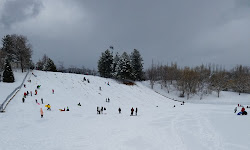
x,y
24,94
242,109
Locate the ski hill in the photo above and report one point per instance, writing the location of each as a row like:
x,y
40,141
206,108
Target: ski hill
x,y
158,126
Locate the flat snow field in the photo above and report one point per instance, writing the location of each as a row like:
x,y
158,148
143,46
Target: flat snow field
x,y
158,125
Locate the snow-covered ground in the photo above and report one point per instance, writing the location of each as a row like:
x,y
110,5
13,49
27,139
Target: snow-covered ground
x,y
7,88
158,125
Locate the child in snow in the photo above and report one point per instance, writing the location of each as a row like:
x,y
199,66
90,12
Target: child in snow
x,y
24,95
23,99
35,92
79,104
27,93
36,100
235,109
42,100
132,111
41,111
53,91
30,93
67,108
119,109
48,107
136,111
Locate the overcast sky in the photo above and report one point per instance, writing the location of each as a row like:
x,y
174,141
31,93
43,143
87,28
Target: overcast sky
x,y
189,32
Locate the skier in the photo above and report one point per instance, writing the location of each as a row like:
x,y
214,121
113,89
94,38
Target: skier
x,y
79,104
132,111
119,109
53,91
235,109
42,100
23,99
67,108
136,111
41,111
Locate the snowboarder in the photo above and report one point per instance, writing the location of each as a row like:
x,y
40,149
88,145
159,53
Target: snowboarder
x,y
23,99
67,108
136,111
42,100
132,111
235,109
41,111
53,91
119,109
79,104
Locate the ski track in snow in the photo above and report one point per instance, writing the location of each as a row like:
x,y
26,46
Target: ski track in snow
x,y
187,127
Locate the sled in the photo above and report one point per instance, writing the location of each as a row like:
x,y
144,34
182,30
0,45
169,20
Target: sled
x,y
46,105
240,113
38,103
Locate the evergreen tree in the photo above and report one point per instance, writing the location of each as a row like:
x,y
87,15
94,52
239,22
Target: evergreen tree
x,y
105,64
137,65
124,70
116,65
8,47
50,66
8,75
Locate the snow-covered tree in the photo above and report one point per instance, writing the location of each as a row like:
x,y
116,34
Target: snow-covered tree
x,y
137,65
8,75
116,65
105,64
124,70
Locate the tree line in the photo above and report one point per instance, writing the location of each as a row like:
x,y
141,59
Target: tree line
x,y
122,67
200,80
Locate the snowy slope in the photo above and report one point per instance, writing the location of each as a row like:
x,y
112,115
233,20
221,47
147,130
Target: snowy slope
x,y
188,127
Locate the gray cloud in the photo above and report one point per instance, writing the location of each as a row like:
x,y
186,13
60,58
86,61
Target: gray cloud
x,y
189,32
14,11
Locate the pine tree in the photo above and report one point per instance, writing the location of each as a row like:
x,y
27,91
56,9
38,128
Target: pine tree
x,y
137,65
105,64
116,65
124,70
50,66
8,75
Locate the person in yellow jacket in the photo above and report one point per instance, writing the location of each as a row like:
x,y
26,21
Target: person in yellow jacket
x,y
48,107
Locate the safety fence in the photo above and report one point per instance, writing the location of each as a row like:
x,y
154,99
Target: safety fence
x,y
12,94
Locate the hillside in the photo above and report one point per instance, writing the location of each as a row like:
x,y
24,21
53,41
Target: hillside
x,y
158,124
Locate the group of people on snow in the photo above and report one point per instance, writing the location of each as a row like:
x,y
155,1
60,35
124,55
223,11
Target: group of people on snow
x,y
243,110
132,111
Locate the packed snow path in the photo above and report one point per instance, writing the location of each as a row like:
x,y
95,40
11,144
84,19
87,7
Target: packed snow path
x,y
188,127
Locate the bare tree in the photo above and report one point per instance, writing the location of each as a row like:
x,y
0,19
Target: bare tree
x,y
241,78
219,81
152,75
